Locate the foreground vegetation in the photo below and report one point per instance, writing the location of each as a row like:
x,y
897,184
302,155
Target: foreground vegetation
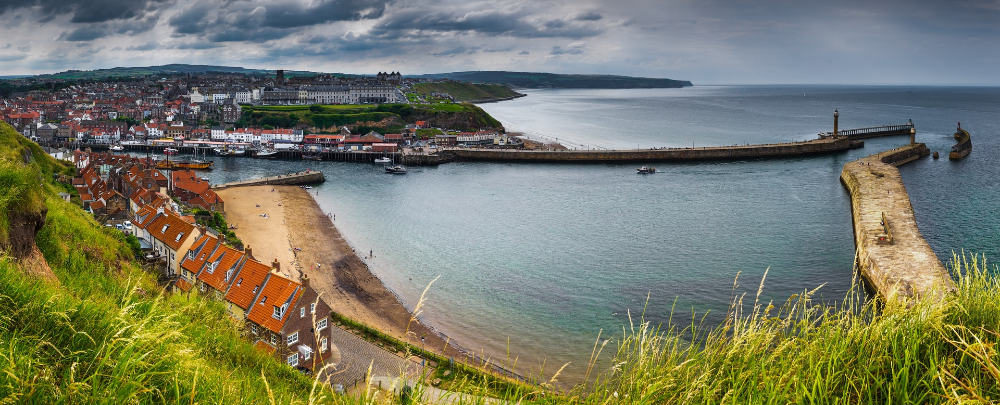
x,y
103,331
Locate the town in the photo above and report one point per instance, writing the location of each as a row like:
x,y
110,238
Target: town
x,y
262,116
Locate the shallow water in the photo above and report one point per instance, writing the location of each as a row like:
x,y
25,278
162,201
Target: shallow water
x,y
549,254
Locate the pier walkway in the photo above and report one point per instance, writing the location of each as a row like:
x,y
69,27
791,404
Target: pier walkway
x,y
874,132
735,152
891,254
304,177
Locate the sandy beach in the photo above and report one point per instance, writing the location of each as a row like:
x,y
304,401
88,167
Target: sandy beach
x,y
298,234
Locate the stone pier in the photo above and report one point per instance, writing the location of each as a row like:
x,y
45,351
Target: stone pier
x,y
304,177
892,256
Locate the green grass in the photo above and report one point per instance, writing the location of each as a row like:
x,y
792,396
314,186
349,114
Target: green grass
x,y
107,333
329,117
463,91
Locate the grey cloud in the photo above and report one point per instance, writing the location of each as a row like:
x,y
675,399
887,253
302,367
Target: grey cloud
x,y
290,14
85,11
570,50
513,24
89,32
459,50
589,16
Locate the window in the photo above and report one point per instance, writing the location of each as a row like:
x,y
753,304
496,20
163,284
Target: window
x,y
321,324
274,339
263,300
255,288
302,312
293,359
253,329
164,230
240,282
292,339
178,239
322,345
306,354
277,313
312,308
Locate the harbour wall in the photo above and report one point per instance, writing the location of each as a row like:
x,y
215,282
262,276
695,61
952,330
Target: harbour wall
x,y
892,255
305,177
736,152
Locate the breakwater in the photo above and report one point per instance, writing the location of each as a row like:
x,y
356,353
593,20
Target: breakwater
x,y
303,177
892,255
735,152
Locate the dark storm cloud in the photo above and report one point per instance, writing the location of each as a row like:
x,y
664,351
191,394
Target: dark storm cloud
x,y
294,14
84,11
590,16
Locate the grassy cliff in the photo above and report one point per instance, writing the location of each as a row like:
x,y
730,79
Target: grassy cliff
x,y
466,92
101,330
389,117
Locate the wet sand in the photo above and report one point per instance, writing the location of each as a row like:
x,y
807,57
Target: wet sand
x,y
303,239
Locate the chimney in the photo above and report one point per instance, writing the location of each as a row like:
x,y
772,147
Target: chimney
x,y
304,279
276,264
249,251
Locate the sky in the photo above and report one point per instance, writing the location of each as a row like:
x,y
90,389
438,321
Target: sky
x,y
705,41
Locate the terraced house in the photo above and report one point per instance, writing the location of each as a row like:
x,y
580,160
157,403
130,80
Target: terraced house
x,y
282,316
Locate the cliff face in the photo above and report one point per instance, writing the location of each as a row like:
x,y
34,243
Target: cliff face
x,y
21,231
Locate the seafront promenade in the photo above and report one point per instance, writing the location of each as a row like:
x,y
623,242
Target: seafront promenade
x,y
892,255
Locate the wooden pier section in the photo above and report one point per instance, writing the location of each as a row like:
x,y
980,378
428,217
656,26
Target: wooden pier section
x,y
892,256
300,178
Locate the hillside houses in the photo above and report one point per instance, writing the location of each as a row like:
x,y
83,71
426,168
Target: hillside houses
x,y
282,316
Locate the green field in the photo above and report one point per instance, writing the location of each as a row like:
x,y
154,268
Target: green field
x,y
462,91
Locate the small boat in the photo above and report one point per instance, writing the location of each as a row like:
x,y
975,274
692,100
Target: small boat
x,y
383,160
646,170
315,156
397,169
184,164
238,151
224,152
117,148
267,153
170,151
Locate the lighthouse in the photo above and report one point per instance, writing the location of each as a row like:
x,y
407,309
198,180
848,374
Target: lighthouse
x,y
836,119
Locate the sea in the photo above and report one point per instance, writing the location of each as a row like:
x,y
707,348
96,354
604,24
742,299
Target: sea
x,y
534,261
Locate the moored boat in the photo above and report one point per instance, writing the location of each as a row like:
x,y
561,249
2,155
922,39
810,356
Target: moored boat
x,y
383,160
266,153
170,151
397,169
646,170
116,148
184,164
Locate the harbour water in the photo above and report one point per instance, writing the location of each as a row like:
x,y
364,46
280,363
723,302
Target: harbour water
x,y
540,257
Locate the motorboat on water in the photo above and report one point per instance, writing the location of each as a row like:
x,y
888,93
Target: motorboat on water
x,y
267,153
397,169
224,152
383,160
646,170
170,151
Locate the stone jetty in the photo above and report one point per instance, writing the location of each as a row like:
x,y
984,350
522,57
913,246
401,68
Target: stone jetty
x,y
303,177
892,256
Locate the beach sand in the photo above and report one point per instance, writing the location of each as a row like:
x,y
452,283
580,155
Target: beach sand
x,y
342,278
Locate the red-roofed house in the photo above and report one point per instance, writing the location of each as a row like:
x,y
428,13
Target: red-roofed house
x,y
171,237
283,315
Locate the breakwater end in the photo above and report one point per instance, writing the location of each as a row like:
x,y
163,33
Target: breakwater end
x,y
892,256
735,152
304,177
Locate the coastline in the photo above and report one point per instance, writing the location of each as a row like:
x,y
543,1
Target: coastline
x,y
315,248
